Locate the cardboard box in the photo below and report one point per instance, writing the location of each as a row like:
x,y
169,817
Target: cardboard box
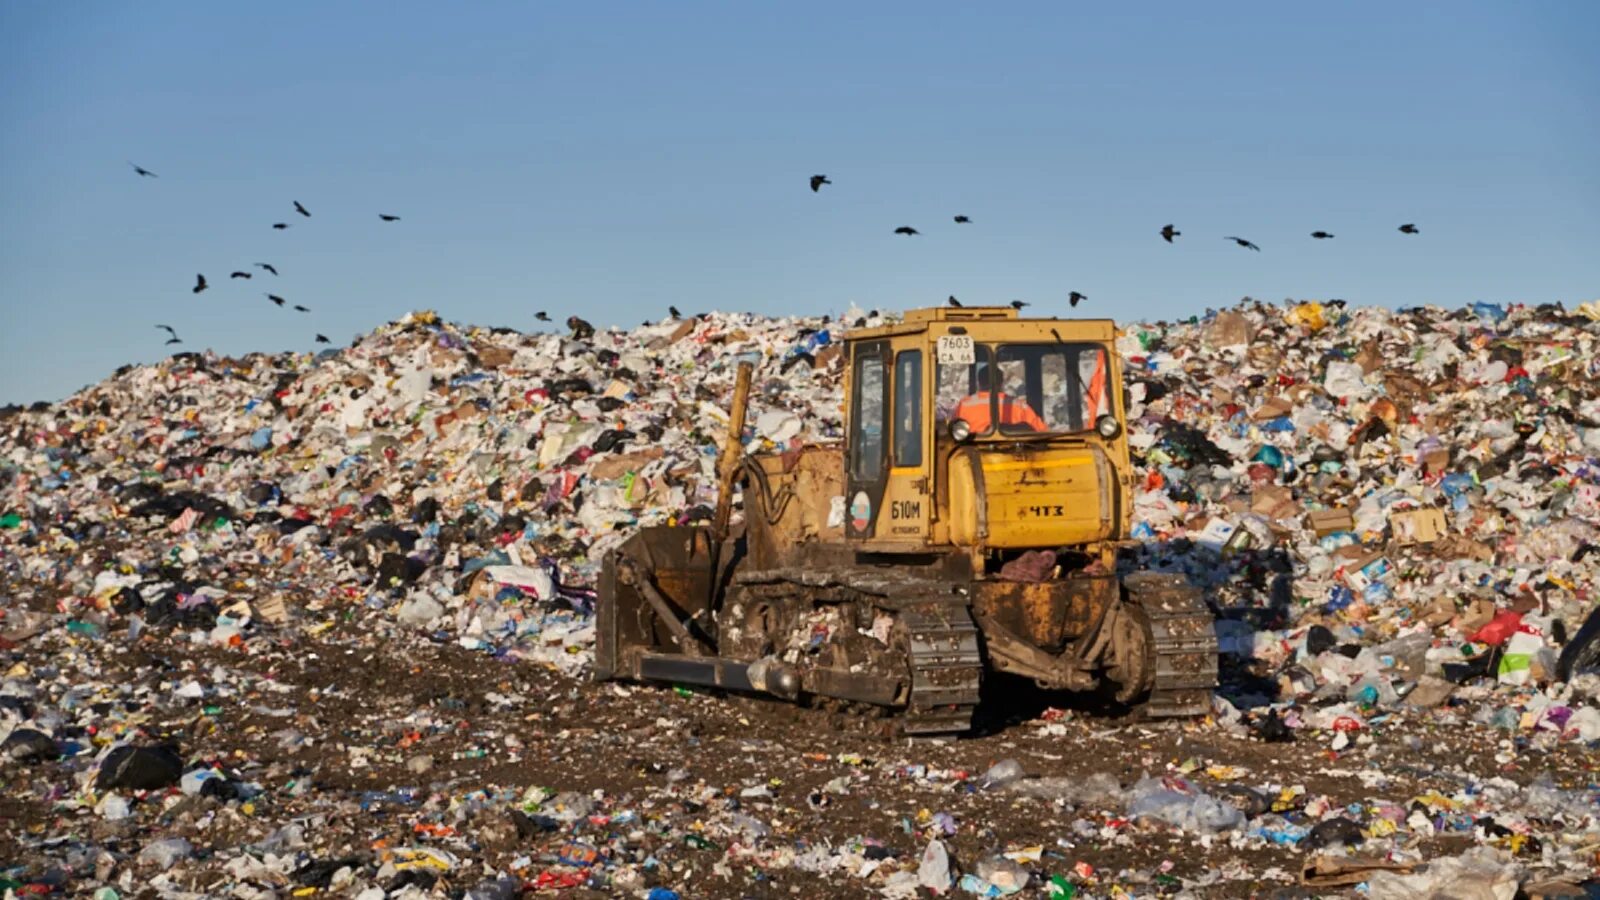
x,y
1327,521
1418,526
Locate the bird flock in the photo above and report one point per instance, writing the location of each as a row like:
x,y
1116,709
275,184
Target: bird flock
x,y
201,285
1167,232
582,329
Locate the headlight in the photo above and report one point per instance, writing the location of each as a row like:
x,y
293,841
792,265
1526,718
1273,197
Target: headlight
x,y
1108,426
960,430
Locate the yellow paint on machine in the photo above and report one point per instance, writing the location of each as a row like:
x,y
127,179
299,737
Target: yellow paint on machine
x,y
1050,497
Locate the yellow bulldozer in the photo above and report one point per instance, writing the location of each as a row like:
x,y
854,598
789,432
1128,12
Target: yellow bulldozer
x,y
969,523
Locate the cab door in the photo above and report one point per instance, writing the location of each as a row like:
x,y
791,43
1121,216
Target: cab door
x,y
867,468
887,498
907,501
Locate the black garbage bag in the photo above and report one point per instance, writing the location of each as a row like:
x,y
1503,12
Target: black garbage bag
x,y
140,768
1581,655
262,493
318,873
1189,444
612,439
171,506
399,569
27,745
425,511
1319,640
561,386
1330,832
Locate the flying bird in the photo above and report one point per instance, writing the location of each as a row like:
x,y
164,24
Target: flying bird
x,y
1075,298
323,339
299,308
275,299
541,316
954,302
239,275
673,311
267,266
817,181
388,218
280,225
1017,304
200,283
301,209
1168,233
168,329
1321,235
173,340
1243,243
143,172
962,220
1408,228
906,230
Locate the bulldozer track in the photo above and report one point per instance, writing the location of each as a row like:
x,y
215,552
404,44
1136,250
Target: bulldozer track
x,y
1182,644
946,669
943,647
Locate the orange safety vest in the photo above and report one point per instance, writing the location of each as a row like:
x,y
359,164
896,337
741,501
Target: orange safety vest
x,y
974,410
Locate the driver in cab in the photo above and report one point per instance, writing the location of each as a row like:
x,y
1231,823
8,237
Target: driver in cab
x,y
979,412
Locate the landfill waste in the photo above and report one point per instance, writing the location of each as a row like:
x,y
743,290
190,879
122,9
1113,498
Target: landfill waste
x,y
291,624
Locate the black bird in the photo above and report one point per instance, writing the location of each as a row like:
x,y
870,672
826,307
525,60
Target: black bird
x,y
301,209
1168,233
267,266
673,311
168,329
962,220
1321,235
817,181
275,299
239,275
173,340
1272,730
1243,243
581,330
200,283
1408,228
541,316
299,308
388,218
146,173
280,225
1017,304
1075,298
954,302
323,339
906,230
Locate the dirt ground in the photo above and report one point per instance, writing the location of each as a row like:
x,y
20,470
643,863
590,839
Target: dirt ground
x,y
712,796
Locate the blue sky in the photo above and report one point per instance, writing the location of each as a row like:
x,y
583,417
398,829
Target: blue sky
x,y
611,159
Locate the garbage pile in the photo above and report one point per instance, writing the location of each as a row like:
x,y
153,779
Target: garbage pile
x,y
306,623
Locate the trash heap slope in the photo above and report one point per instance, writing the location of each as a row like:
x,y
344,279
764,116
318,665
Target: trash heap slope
x,y
1395,515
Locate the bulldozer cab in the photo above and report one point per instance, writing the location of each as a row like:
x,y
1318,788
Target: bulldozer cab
x,y
977,429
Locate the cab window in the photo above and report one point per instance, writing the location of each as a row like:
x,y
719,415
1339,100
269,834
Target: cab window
x,y
1027,389
908,408
1064,383
871,389
957,383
